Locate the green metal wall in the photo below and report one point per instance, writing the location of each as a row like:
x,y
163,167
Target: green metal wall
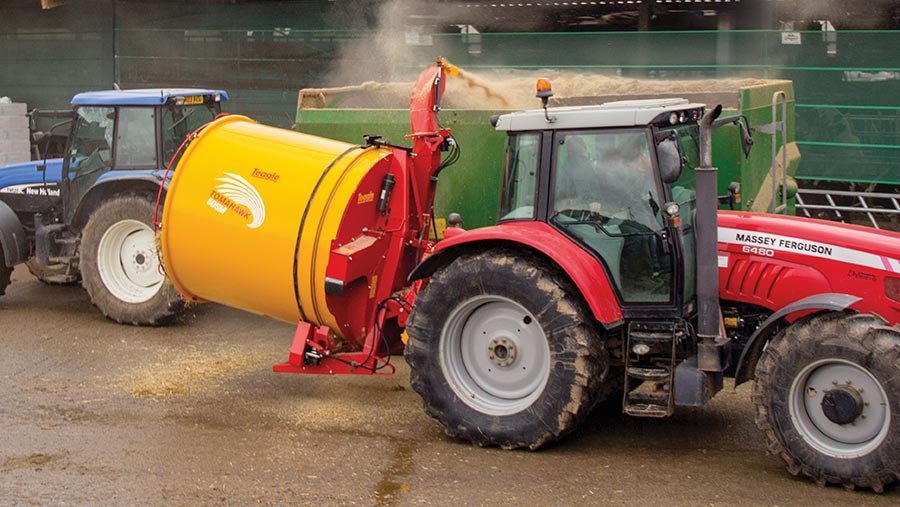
x,y
48,56
261,52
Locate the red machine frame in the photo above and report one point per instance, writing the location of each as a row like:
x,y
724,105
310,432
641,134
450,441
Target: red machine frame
x,y
314,348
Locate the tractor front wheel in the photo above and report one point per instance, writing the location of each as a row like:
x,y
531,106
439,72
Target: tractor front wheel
x,y
826,399
120,266
503,352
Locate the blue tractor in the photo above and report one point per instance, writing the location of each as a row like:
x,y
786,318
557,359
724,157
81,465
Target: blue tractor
x,y
89,215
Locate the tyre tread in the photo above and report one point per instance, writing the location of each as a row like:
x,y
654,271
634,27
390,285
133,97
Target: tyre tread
x,y
590,362
873,334
5,275
173,306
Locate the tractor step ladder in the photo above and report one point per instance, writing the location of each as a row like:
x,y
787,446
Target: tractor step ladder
x,y
650,368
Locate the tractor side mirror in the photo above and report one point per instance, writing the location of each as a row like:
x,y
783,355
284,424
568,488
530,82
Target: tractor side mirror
x,y
668,153
742,123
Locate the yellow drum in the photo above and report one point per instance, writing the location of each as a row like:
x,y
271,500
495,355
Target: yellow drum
x,y
252,214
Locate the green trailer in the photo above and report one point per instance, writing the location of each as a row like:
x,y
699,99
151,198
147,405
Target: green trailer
x,y
471,186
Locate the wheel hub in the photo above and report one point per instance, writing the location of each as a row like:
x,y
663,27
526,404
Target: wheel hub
x,y
495,355
502,351
843,404
839,408
127,261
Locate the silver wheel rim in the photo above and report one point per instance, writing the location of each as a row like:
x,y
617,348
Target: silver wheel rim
x,y
844,441
495,355
128,262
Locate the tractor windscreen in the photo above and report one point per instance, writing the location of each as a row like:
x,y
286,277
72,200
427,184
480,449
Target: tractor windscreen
x,y
179,121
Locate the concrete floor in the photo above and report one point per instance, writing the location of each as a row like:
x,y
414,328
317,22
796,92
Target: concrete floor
x,y
93,412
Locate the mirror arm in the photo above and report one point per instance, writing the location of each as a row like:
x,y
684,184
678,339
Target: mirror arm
x,y
734,120
662,135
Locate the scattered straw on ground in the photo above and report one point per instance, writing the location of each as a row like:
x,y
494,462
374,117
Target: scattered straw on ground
x,y
30,461
189,371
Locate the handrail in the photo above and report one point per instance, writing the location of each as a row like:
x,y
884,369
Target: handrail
x,y
782,126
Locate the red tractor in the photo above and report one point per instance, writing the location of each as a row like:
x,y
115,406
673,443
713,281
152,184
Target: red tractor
x,y
607,275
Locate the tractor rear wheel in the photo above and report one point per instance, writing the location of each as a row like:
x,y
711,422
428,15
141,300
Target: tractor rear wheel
x,y
503,351
120,266
826,397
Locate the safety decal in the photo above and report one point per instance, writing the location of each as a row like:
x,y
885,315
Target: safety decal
x,y
723,261
239,196
761,242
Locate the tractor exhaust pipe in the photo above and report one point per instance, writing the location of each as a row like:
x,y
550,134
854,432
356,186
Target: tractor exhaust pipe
x,y
713,354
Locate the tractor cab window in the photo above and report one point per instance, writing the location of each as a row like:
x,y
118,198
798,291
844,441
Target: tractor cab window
x,y
91,148
606,197
519,176
90,152
136,138
683,193
179,121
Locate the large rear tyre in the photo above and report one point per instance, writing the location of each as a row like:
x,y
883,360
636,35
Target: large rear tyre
x,y
826,397
120,266
503,352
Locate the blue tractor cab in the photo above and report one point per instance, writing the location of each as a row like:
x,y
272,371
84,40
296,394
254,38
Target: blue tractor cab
x,y
89,215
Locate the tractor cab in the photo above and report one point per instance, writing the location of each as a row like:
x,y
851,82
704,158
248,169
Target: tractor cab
x,y
620,183
129,132
611,178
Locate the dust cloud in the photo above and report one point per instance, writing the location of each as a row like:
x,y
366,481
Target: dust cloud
x,y
378,55
378,72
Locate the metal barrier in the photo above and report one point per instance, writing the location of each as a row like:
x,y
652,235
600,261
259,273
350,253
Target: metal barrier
x,y
881,209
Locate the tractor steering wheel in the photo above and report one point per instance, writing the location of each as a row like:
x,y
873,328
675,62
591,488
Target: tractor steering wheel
x,y
583,216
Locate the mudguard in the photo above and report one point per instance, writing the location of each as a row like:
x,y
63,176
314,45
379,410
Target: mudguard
x,y
114,182
750,355
585,271
12,237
